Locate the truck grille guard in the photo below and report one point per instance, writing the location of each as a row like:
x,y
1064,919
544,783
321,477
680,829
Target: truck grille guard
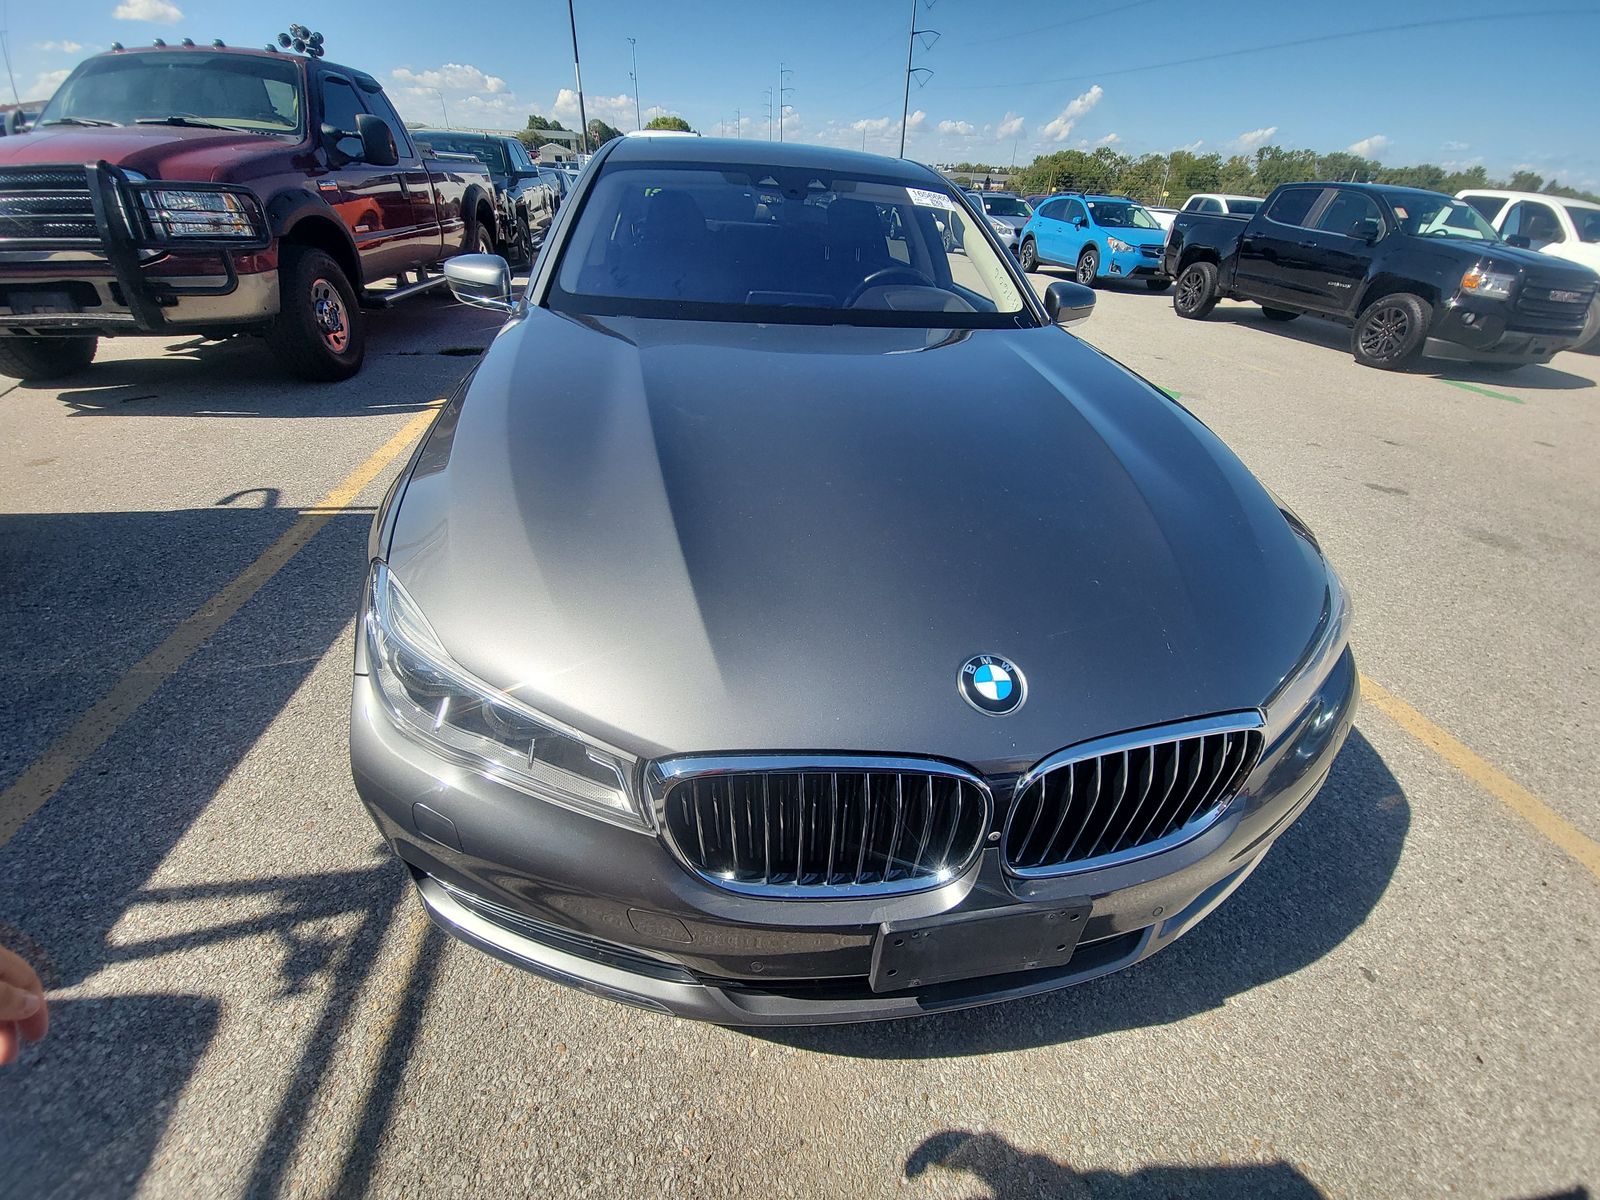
x,y
100,208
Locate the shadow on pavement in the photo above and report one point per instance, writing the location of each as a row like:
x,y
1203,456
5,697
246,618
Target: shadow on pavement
x,y
1010,1173
84,596
1315,887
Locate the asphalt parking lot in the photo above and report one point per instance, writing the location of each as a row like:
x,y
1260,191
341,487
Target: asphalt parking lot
x,y
247,1001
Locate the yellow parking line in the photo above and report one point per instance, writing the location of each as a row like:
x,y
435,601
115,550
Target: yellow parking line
x,y
66,754
1550,824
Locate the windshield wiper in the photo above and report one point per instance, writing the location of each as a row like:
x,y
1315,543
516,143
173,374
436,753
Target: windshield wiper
x,y
187,122
78,121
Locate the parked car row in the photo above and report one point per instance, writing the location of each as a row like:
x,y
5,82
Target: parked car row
x,y
218,190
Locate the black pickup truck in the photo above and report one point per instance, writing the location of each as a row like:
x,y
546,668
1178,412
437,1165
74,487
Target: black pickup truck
x,y
1413,272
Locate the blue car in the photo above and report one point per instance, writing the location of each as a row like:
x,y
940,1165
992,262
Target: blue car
x,y
1099,237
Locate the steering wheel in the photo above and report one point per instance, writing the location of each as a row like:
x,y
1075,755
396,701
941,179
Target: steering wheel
x,y
881,276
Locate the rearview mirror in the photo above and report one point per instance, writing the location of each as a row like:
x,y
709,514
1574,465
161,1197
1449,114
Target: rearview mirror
x,y
377,142
481,280
1066,303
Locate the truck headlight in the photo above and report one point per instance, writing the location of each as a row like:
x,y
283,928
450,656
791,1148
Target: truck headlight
x,y
178,213
435,701
1481,282
1118,245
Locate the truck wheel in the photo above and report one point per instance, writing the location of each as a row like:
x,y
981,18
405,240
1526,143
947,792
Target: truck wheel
x,y
30,358
1278,314
1158,285
1197,291
1029,256
1089,267
482,238
1390,331
319,333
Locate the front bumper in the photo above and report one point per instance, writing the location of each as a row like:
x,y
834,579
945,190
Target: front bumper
x,y
1478,332
610,910
1133,264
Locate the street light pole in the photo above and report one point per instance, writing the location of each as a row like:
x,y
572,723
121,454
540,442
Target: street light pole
x,y
633,49
442,106
577,73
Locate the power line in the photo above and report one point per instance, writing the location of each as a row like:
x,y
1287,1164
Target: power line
x,y
1319,39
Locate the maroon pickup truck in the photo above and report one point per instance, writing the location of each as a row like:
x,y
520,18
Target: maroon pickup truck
x,y
211,190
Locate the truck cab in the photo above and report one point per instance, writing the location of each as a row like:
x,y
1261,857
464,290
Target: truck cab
x,y
216,190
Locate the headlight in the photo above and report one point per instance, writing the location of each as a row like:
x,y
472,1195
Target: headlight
x,y
181,214
1327,643
435,701
1118,245
999,226
1479,282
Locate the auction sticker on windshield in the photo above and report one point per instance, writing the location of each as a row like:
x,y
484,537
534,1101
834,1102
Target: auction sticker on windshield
x,y
929,199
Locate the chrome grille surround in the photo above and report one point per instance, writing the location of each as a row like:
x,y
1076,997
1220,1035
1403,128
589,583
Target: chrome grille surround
x,y
1072,812
821,826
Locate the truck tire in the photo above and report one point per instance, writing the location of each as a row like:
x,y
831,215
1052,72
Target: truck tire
x,y
319,333
1028,255
1278,314
30,358
1197,291
1390,331
1089,267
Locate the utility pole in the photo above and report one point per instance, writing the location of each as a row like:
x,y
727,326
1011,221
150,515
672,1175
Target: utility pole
x,y
577,73
768,95
442,107
782,92
911,42
633,49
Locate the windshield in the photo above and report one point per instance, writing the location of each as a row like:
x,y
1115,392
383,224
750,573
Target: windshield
x,y
490,153
1586,221
1440,216
1005,206
783,246
1119,214
257,94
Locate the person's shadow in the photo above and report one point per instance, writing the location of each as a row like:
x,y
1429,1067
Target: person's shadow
x,y
1315,887
1010,1173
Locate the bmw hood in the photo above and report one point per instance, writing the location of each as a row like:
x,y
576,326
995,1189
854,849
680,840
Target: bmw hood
x,y
736,537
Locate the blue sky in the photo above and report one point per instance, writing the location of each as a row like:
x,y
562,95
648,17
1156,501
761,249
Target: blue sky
x,y
1507,85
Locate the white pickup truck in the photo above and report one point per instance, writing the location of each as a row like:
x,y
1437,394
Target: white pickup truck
x,y
1552,225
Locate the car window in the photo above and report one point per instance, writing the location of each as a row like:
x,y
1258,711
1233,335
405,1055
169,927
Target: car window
x,y
789,246
1246,208
1535,221
1054,210
1586,221
1005,206
340,105
1488,206
1122,214
1075,211
384,111
1351,214
1424,214
258,94
1292,206
486,150
1211,206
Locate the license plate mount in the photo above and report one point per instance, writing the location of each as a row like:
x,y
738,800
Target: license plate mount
x,y
909,954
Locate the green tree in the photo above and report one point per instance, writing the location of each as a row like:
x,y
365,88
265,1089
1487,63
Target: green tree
x,y
1237,177
534,135
1275,165
600,133
1342,165
669,122
1525,181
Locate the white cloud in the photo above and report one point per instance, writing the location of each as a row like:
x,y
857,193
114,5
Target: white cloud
x,y
1192,147
1251,139
45,86
458,77
1060,129
64,47
1010,126
916,120
158,11
613,110
1369,147
957,128
1454,146
1110,139
1462,164
874,126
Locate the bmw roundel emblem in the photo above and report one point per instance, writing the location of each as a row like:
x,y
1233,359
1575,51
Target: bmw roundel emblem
x,y
992,684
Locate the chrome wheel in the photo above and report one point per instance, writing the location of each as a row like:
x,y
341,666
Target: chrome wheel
x,y
1088,267
1385,332
1190,289
332,320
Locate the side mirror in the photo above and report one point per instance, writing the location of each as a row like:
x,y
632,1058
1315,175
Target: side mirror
x,y
1065,303
377,142
1371,231
481,280
1080,222
1518,240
